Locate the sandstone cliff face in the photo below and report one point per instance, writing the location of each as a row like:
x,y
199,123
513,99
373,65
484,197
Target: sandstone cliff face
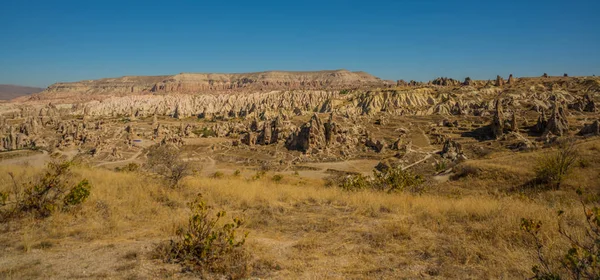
x,y
210,83
207,105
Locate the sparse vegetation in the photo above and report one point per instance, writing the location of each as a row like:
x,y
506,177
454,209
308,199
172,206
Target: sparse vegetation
x,y
582,259
165,160
396,179
390,180
217,175
259,174
208,245
205,132
130,167
440,166
53,191
552,169
277,178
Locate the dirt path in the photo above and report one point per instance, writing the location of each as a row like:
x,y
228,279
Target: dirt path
x,y
132,158
427,156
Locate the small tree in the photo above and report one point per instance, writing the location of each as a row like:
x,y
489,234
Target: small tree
x,y
165,160
52,191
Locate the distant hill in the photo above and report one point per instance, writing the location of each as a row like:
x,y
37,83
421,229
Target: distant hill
x,y
8,92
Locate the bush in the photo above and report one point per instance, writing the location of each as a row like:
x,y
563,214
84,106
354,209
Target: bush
x,y
164,160
441,166
259,174
552,169
206,245
355,182
205,132
581,260
217,175
53,191
237,173
396,179
277,178
390,180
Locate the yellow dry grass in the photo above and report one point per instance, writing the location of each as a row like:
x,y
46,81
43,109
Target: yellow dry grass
x,y
298,229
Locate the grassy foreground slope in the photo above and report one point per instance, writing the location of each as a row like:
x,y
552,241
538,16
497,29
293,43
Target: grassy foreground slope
x,y
467,228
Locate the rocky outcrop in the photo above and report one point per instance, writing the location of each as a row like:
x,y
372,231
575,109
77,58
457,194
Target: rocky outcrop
x,y
309,138
468,81
499,81
207,106
511,80
452,150
584,104
497,125
443,81
315,136
377,145
557,122
592,129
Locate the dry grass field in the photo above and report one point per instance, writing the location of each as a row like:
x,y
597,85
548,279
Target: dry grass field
x,y
299,228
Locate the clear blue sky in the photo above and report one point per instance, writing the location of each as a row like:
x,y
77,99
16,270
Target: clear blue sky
x,y
42,41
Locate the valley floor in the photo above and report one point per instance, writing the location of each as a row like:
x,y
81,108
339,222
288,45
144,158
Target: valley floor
x,y
299,228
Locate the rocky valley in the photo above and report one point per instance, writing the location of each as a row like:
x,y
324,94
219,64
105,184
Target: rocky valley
x,y
419,179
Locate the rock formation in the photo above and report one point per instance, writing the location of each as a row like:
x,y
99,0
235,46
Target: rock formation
x,y
557,122
511,80
497,125
452,150
499,81
584,104
592,129
443,81
310,137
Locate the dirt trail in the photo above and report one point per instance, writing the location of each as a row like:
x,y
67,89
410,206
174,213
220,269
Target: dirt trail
x,y
132,158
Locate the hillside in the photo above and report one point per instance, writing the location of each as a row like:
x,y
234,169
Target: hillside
x,y
8,92
210,83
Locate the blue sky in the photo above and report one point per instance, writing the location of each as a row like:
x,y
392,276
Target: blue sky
x,y
42,42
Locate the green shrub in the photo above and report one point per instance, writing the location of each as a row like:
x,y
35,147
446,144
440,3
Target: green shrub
x,y
217,175
552,169
355,183
582,259
237,173
259,174
130,167
51,192
390,180
78,194
277,178
207,244
205,132
441,166
396,179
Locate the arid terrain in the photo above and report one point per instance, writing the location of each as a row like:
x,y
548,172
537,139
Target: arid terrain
x,y
336,174
8,92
